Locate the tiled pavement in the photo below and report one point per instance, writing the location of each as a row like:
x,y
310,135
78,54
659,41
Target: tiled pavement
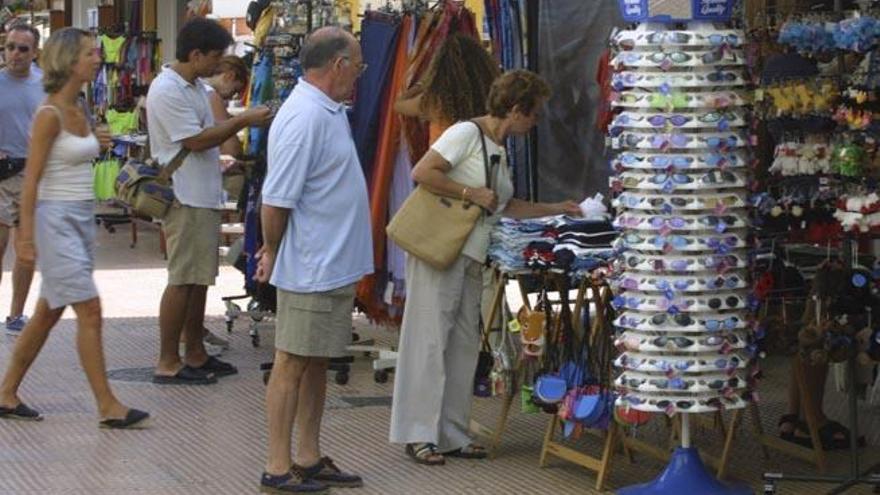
x,y
211,439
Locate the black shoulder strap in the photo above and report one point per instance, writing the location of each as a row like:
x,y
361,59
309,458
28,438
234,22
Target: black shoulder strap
x,y
485,154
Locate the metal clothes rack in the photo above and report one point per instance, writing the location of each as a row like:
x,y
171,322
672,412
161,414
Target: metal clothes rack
x,y
856,475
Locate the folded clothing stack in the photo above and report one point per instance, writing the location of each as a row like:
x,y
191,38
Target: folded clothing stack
x,y
562,242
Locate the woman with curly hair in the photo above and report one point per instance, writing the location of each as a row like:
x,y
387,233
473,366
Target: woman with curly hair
x,y
58,227
455,86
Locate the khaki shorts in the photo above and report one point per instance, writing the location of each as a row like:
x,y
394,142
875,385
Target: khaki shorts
x,y
193,239
10,199
314,324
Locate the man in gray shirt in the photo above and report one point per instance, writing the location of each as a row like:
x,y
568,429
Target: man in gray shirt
x,y
19,79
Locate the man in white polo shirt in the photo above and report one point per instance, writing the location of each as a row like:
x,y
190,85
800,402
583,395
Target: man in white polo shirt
x,y
179,116
316,230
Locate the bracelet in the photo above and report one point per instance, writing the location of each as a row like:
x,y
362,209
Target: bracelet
x,y
464,194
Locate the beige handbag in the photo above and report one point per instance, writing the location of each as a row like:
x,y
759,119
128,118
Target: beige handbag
x,y
434,228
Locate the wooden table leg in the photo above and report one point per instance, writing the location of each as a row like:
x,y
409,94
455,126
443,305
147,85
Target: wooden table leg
x,y
548,437
728,444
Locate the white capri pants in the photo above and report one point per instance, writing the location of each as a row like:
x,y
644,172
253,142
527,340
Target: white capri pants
x,y
439,348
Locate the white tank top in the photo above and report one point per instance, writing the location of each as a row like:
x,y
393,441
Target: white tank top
x,y
67,174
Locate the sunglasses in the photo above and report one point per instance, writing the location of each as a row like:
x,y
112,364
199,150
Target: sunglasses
x,y
21,48
715,325
654,120
729,302
730,282
670,383
665,365
655,141
720,142
659,264
680,319
664,59
636,79
720,384
720,244
659,242
673,101
680,342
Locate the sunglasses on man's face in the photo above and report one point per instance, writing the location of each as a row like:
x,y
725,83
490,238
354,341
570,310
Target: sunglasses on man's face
x,y
21,48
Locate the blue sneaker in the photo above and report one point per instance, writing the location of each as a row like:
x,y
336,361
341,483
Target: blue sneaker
x,y
15,324
289,482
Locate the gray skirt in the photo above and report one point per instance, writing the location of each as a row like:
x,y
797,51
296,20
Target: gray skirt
x,y
65,242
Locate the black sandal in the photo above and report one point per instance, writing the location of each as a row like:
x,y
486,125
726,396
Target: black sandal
x,y
471,451
20,412
187,375
134,419
422,453
830,441
797,426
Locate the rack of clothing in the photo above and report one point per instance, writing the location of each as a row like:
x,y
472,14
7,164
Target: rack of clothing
x,y
398,45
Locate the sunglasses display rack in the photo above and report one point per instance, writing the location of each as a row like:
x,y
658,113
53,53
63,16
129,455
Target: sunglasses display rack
x,y
680,154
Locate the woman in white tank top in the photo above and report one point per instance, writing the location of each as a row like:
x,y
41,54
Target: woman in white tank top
x,y
57,228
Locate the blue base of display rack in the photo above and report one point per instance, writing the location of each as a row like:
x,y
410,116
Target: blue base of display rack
x,y
685,474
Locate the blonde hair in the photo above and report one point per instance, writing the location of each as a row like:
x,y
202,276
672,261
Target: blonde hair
x,y
60,53
236,65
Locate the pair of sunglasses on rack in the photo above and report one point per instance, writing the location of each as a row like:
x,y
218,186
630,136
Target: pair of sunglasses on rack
x,y
682,284
640,79
678,383
718,262
678,57
713,159
677,120
714,177
663,303
631,139
678,100
692,222
627,39
686,342
662,242
668,365
681,320
669,203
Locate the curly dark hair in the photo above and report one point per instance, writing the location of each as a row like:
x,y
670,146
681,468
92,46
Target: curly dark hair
x,y
456,85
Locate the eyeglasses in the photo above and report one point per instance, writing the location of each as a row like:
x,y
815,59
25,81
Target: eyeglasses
x,y
361,67
630,39
21,48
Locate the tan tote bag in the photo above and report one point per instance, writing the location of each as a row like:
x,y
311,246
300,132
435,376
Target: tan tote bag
x,y
434,228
